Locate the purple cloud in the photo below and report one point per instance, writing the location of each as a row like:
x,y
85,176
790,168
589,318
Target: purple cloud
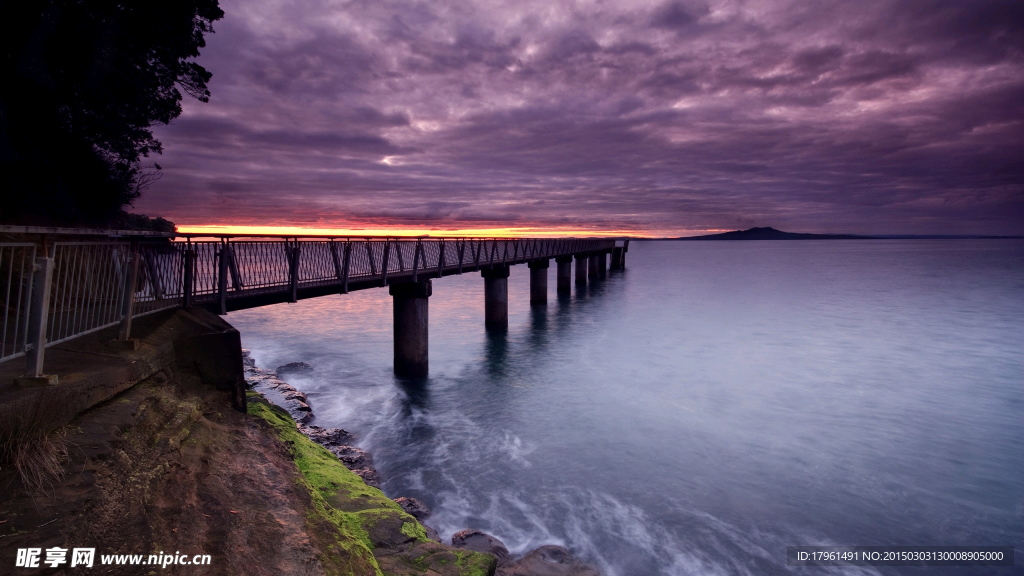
x,y
852,116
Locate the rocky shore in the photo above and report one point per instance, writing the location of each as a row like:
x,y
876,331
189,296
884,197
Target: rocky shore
x,y
547,560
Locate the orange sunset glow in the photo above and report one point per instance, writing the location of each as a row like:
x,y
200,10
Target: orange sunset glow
x,y
509,232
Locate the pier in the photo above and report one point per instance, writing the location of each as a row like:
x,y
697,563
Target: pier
x,y
59,284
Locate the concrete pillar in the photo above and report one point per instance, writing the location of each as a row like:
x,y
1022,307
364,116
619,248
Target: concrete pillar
x,y
539,281
496,298
581,269
592,267
602,264
616,257
564,274
410,318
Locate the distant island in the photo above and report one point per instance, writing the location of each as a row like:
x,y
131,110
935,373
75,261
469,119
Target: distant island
x,y
767,233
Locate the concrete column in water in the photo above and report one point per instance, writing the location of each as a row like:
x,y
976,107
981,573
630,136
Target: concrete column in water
x,y
602,264
409,300
564,274
539,281
496,298
616,257
581,269
592,266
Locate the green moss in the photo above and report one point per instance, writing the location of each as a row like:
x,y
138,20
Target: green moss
x,y
474,563
324,472
360,517
414,530
323,479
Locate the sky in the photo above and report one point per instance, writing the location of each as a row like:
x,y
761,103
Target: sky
x,y
604,117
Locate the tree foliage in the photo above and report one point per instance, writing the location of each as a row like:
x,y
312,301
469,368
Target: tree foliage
x,y
83,82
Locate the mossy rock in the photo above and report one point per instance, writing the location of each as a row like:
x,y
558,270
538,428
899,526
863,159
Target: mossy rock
x,y
364,531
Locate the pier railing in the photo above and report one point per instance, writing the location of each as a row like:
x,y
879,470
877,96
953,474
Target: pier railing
x,y
60,284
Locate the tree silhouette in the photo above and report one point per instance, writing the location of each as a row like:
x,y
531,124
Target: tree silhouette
x,y
82,82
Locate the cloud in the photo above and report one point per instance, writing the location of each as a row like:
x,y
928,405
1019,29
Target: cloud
x,y
860,116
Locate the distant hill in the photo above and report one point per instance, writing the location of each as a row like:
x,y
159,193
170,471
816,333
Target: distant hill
x,y
772,234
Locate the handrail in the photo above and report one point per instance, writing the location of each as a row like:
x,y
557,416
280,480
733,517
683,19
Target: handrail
x,y
62,283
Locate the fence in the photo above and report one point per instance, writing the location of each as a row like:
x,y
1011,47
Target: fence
x,y
58,290
219,271
17,262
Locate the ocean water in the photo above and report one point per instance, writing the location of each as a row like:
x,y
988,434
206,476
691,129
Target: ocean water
x,y
701,410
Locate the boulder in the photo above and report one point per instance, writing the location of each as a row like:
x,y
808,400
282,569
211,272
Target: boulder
x,y
414,507
431,533
369,476
300,396
327,437
293,368
482,542
353,457
548,561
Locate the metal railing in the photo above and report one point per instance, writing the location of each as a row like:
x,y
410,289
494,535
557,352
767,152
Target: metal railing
x,y
228,268
65,286
17,263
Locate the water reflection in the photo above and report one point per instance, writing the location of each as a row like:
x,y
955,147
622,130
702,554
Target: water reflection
x,y
496,353
417,393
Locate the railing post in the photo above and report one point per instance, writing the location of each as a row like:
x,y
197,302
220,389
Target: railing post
x,y
440,258
384,263
416,260
131,278
295,272
189,276
338,271
369,254
154,274
42,279
236,276
222,277
344,280
401,259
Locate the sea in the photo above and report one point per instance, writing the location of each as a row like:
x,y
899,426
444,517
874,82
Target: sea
x,y
701,410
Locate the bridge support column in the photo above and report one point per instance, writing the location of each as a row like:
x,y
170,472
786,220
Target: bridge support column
x,y
564,274
592,266
496,298
409,301
581,269
602,265
616,257
539,281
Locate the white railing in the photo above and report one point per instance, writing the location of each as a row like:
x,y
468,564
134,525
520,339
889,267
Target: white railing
x,y
67,284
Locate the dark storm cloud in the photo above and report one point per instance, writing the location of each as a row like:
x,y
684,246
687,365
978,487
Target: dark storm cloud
x,y
841,116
